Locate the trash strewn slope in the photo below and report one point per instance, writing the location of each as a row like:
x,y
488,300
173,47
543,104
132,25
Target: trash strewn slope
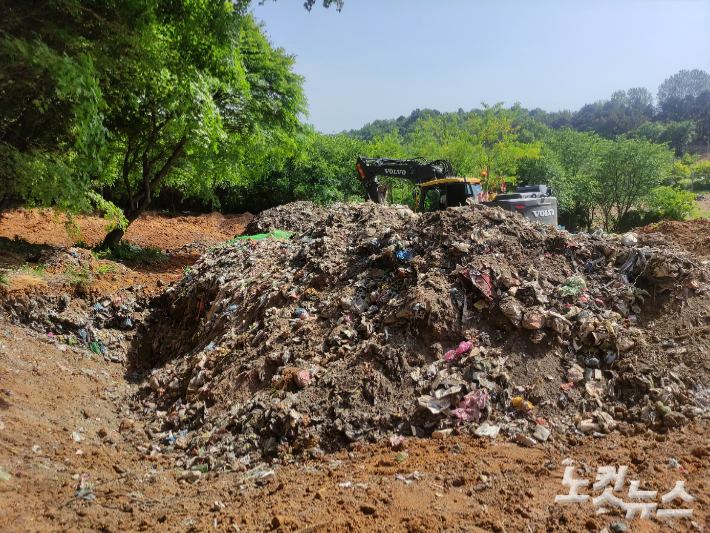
x,y
372,322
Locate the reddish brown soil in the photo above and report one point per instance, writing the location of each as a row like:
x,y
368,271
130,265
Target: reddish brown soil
x,y
465,484
151,229
693,235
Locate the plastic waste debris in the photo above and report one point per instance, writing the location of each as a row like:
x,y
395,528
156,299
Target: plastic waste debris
x,y
575,374
435,405
487,430
470,407
464,347
397,442
525,440
522,405
629,239
573,286
405,255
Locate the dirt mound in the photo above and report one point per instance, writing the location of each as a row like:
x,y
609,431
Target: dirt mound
x,y
377,322
693,235
159,230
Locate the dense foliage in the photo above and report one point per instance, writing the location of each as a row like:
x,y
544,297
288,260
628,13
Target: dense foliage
x,y
129,96
122,102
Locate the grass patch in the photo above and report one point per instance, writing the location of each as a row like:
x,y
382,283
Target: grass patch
x,y
3,279
38,270
79,278
106,269
125,251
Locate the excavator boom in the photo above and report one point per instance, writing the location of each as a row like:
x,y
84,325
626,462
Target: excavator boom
x,y
415,170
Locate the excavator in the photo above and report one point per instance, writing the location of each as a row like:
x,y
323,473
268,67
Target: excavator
x,y
439,188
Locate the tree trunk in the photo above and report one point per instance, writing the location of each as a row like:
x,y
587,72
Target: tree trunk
x,y
4,204
115,236
139,202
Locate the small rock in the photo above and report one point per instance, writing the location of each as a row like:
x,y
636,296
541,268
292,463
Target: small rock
x,y
103,432
700,452
674,420
126,425
533,320
441,434
154,383
618,527
219,506
368,509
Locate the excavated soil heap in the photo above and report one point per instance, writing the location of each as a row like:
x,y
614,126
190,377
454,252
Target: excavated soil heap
x,y
693,235
372,322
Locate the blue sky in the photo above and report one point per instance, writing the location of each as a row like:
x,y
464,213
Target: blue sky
x,y
382,59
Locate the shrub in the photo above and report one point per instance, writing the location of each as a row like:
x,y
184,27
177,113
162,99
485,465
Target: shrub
x,y
672,204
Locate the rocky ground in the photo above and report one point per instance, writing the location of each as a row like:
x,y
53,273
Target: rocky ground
x,y
376,370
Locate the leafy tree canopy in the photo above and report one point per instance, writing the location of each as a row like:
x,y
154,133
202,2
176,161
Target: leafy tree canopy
x,y
683,84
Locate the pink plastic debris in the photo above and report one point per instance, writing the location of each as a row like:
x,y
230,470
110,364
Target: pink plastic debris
x,y
397,442
464,347
470,407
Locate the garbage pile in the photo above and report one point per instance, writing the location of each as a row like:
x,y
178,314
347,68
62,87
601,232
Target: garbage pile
x,y
64,308
372,322
296,216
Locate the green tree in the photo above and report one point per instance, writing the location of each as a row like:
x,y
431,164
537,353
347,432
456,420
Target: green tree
x,y
677,95
684,83
210,83
651,131
672,204
627,172
130,95
496,149
680,172
701,171
51,118
574,157
677,135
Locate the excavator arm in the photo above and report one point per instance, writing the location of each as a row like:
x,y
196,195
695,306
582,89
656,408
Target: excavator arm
x,y
415,170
